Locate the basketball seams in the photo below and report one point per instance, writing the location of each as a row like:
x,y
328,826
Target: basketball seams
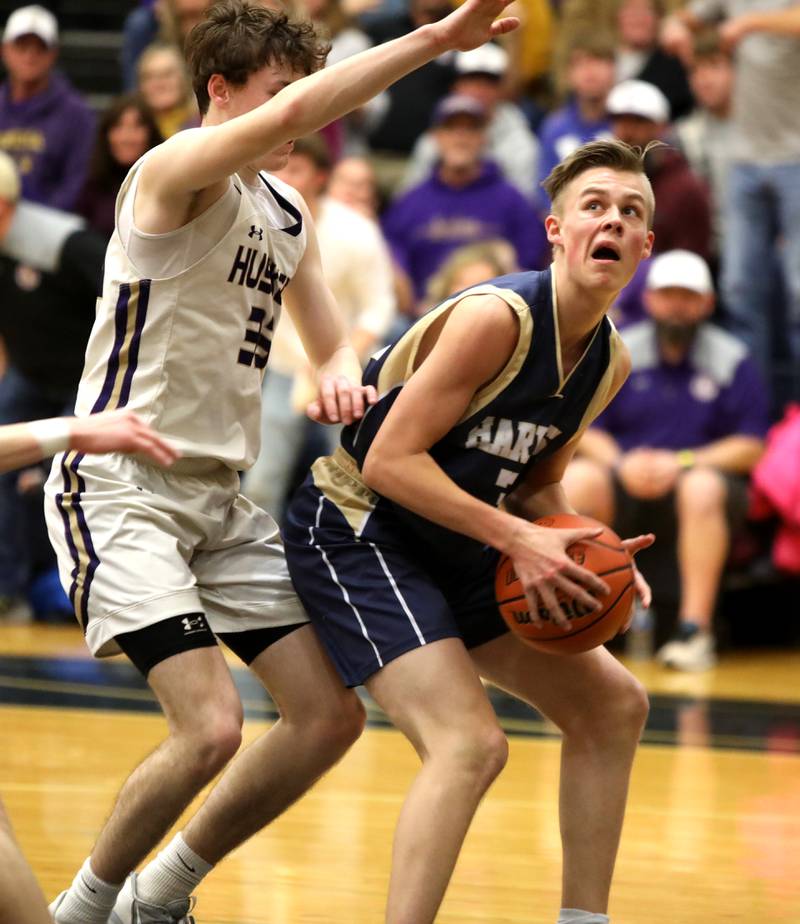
x,y
604,545
628,567
511,600
574,633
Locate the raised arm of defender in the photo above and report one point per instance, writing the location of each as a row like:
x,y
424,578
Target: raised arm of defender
x,y
195,160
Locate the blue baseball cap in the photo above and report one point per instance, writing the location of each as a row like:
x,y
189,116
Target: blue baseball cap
x,y
459,105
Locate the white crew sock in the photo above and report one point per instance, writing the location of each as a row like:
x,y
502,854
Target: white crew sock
x,y
576,916
175,873
89,900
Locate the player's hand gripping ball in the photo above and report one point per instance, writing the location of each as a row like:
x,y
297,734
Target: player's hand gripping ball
x,y
607,558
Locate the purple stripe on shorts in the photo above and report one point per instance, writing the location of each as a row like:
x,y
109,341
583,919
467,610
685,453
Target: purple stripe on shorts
x,y
94,560
73,549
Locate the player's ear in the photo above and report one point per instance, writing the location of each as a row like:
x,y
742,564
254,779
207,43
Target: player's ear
x,y
552,225
648,245
218,90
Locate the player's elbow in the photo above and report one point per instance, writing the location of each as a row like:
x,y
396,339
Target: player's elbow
x,y
376,470
291,116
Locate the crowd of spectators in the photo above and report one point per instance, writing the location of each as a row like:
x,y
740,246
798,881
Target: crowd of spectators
x,y
434,186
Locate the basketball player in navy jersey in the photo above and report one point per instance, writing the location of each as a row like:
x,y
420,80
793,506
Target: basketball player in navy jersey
x,y
207,249
393,541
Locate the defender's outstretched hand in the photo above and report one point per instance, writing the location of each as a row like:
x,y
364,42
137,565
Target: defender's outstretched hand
x,y
119,431
474,23
340,401
112,431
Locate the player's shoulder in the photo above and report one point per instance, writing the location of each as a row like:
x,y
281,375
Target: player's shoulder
x,y
531,286
621,360
275,185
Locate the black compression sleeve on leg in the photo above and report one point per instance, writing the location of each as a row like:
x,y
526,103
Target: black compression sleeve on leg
x,y
153,644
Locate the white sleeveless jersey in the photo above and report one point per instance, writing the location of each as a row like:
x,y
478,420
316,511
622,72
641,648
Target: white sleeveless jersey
x,y
187,352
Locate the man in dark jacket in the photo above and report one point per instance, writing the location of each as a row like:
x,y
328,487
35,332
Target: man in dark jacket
x,y
44,123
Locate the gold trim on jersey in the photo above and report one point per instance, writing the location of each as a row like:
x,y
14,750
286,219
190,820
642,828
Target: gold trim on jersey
x,y
562,381
399,365
339,479
510,371
602,394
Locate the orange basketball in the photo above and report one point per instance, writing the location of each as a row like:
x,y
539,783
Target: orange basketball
x,y
608,559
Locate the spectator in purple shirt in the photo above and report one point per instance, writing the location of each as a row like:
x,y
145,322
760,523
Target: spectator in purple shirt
x,y
466,200
44,123
676,446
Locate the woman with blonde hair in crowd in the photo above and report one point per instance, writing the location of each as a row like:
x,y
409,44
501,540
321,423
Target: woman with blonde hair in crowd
x,y
165,87
469,266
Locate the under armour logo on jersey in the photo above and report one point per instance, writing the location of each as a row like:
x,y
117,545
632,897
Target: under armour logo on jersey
x,y
259,335
192,624
256,232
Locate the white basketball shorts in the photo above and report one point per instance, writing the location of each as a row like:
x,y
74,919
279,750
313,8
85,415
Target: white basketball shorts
x,y
137,544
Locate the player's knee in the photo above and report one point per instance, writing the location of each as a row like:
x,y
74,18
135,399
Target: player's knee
x,y
481,753
493,752
635,706
626,711
217,742
339,727
701,491
618,712
587,484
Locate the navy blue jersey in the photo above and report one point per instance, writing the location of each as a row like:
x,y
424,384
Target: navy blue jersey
x,y
529,411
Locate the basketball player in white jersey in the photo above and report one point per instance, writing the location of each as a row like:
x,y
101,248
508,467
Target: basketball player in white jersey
x,y
21,900
159,563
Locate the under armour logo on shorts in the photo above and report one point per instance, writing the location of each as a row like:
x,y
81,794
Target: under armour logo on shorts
x,y
193,624
256,232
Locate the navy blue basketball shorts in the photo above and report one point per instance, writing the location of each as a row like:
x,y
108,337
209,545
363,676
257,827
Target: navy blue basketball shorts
x,y
368,596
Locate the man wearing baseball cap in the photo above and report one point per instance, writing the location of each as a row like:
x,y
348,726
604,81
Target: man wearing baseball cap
x,y
510,143
639,113
676,446
44,123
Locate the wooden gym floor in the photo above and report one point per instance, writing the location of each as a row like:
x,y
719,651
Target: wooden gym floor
x,y
712,831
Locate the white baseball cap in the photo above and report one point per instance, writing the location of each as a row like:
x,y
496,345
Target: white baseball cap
x,y
638,98
680,269
485,59
32,20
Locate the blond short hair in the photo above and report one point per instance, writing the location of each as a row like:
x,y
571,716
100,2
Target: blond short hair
x,y
613,154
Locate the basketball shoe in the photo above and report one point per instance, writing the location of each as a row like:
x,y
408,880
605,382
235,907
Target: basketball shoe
x,y
130,909
691,650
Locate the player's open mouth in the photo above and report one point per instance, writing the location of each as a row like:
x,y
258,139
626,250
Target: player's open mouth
x,y
605,254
